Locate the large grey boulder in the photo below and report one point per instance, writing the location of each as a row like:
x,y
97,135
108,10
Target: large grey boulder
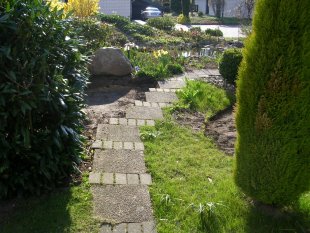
x,y
110,61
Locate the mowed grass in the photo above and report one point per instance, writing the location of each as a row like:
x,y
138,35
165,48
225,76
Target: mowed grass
x,y
63,211
193,188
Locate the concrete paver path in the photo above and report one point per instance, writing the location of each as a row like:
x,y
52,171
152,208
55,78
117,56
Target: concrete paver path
x,y
119,178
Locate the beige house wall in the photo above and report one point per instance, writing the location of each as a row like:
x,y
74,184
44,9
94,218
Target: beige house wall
x,y
118,7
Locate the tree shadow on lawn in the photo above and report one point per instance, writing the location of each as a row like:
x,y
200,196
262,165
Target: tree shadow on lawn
x,y
254,219
46,214
266,219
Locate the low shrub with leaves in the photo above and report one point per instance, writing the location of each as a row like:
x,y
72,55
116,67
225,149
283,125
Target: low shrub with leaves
x,y
97,34
93,33
42,81
229,64
126,26
162,23
203,97
214,32
160,64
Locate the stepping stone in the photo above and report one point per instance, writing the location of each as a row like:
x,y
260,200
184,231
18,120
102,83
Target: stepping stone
x,y
118,133
200,72
171,84
122,203
116,145
151,104
213,72
147,113
108,178
162,90
191,76
119,161
125,121
134,227
164,97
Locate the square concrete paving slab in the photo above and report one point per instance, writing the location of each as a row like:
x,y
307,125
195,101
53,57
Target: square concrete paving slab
x,y
161,97
200,72
171,84
122,203
119,133
146,113
213,72
119,161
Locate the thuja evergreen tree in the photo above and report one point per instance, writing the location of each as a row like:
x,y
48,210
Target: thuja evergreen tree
x,y
273,104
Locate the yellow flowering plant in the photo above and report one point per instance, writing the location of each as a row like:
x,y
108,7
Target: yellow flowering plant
x,y
79,8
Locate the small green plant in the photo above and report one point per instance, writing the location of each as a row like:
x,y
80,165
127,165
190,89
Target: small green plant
x,y
214,32
209,217
162,23
200,14
173,68
195,29
160,64
229,64
203,97
190,94
149,134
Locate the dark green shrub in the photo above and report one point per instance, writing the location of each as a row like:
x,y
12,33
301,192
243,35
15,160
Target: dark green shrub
x,y
42,79
173,68
162,23
117,20
126,26
200,14
229,64
195,29
93,32
138,29
214,32
273,99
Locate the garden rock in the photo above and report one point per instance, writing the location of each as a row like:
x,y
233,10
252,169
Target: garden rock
x,y
110,61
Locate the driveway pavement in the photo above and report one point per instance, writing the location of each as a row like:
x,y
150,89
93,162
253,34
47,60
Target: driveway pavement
x,y
228,31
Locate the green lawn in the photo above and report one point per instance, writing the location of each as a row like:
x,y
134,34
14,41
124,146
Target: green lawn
x,y
193,188
63,211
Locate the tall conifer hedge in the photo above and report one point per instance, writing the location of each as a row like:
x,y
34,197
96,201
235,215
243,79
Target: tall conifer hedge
x,y
273,104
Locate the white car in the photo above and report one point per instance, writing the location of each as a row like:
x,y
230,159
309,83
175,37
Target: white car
x,y
151,12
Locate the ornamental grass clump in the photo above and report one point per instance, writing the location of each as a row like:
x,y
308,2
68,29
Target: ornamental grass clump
x,y
42,82
273,104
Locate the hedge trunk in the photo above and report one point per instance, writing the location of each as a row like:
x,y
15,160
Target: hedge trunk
x,y
273,104
185,7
